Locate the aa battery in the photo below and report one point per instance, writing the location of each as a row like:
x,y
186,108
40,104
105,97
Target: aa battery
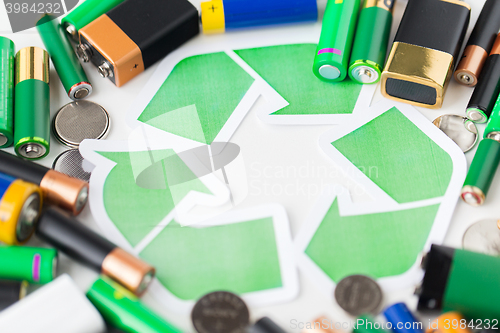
x,y
7,51
486,92
123,310
479,45
58,189
425,51
371,40
402,320
85,13
11,292
335,42
32,99
367,324
493,125
93,250
136,34
482,170
20,206
460,280
221,15
265,325
58,307
63,57
449,322
32,264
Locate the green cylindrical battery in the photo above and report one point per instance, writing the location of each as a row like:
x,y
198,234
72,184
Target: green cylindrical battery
x,y
334,47
461,281
85,13
493,125
6,92
481,172
371,40
32,103
32,264
123,310
367,324
63,57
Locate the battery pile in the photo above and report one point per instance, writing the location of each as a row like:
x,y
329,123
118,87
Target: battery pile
x,y
424,56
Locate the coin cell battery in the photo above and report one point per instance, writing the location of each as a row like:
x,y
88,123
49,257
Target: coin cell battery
x,y
460,129
80,120
72,164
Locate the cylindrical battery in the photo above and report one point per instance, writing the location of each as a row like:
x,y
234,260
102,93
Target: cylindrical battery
x,y
449,322
493,125
486,92
58,189
93,250
402,320
371,40
366,324
32,100
221,15
265,325
123,310
85,13
7,50
481,172
479,44
63,57
58,307
33,264
460,280
335,42
425,51
20,206
11,292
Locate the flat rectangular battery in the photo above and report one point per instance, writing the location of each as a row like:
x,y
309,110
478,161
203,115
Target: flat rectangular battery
x,y
134,35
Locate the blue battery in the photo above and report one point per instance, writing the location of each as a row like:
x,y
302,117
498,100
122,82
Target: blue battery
x,y
221,15
402,320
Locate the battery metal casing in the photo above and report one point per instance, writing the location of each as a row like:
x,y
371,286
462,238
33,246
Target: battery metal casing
x,y
58,307
371,40
32,264
220,15
462,281
486,92
493,125
7,51
335,42
20,206
63,57
11,292
402,320
425,51
58,189
481,172
93,250
479,45
134,35
32,101
85,13
123,310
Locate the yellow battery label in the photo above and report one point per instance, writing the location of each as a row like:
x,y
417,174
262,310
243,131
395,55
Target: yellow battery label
x,y
212,17
384,4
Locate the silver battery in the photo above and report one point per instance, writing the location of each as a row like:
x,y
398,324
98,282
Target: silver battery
x,y
72,164
460,129
78,121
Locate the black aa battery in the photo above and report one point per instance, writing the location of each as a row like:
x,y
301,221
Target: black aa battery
x,y
265,325
93,250
11,292
485,95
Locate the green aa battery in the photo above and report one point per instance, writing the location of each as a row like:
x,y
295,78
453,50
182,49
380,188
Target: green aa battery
x,y
123,310
371,40
482,170
367,324
6,92
335,42
32,264
63,57
493,125
85,13
32,100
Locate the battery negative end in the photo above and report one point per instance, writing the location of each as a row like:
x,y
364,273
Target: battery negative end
x,y
80,91
32,150
476,115
71,31
472,196
28,217
365,74
3,140
329,72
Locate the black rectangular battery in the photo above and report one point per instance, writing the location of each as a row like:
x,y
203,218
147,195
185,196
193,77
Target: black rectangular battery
x,y
425,51
134,35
